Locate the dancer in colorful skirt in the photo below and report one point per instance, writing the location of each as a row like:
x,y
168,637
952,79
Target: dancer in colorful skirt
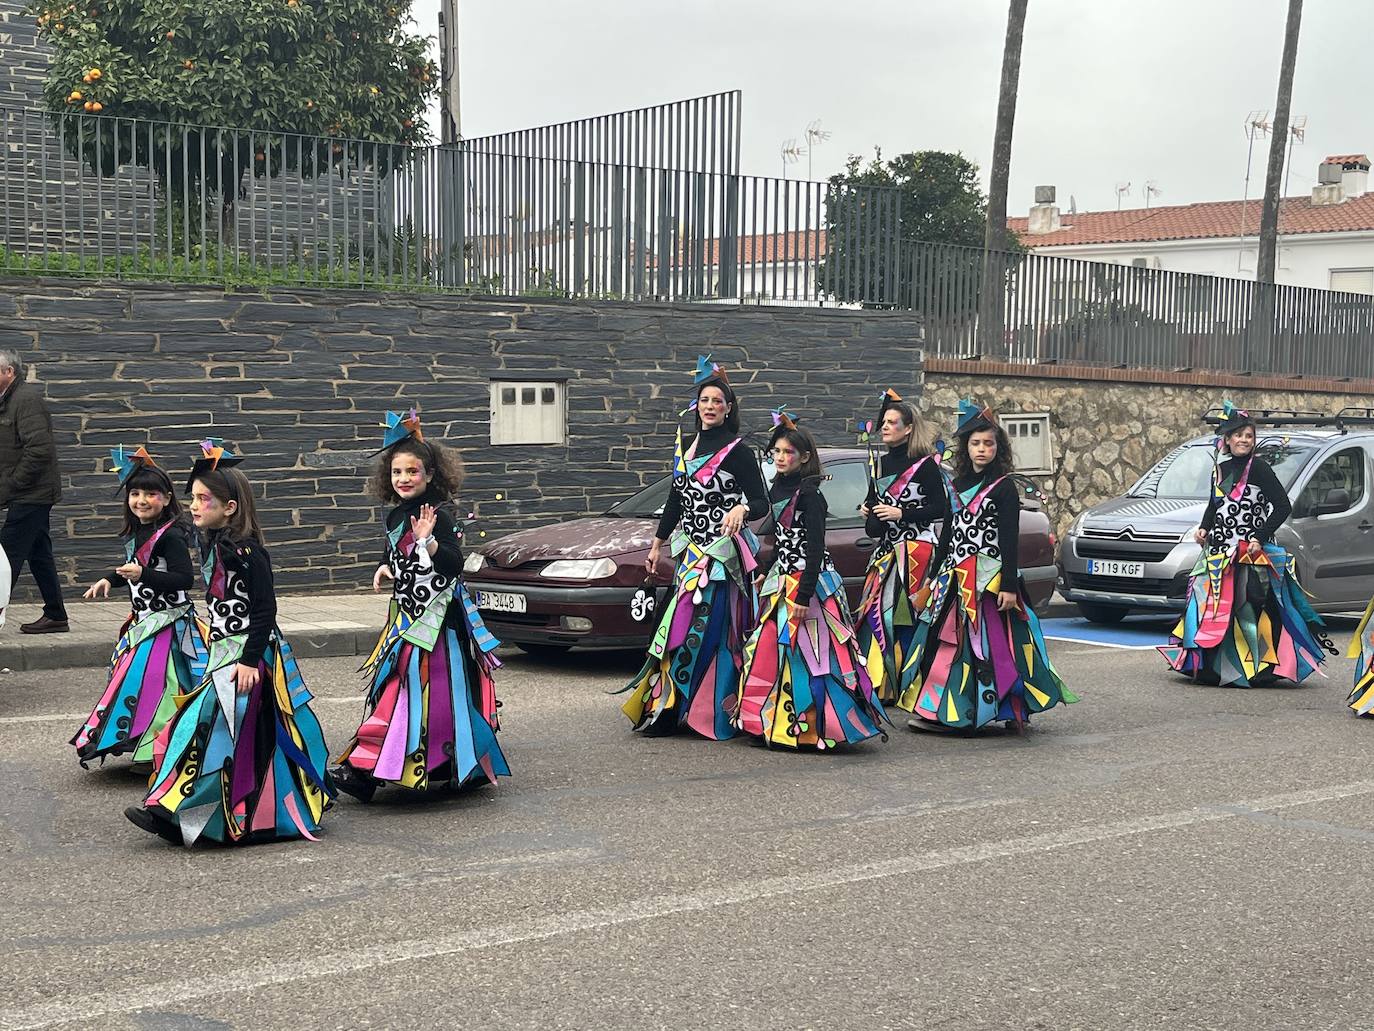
x,y
161,652
244,758
1362,651
1247,621
691,675
983,658
430,720
907,495
803,683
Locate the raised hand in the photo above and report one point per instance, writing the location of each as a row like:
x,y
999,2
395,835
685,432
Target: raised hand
x,y
422,525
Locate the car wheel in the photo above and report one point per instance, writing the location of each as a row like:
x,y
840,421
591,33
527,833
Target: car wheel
x,y
1106,614
544,651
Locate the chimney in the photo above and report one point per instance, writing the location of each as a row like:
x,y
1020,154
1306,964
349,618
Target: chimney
x,y
1354,174
1044,213
1328,190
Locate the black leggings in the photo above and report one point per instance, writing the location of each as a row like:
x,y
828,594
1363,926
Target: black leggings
x,y
25,538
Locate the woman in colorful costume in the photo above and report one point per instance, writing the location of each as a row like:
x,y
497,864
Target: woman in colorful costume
x,y
161,652
1362,651
983,658
1247,621
907,495
803,683
691,675
431,715
243,759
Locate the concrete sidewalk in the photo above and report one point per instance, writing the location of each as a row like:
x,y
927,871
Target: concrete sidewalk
x,y
315,624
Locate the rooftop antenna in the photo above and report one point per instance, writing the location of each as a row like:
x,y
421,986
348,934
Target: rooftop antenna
x,y
1257,124
1073,205
1122,189
1297,133
791,154
814,135
1151,190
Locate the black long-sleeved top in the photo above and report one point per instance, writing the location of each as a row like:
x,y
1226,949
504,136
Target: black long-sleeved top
x,y
739,464
248,562
448,560
934,505
809,520
173,549
971,532
1227,520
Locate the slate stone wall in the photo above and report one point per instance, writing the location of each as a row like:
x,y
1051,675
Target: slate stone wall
x,y
298,382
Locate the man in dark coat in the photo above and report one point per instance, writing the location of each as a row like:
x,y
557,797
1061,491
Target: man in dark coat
x,y
30,484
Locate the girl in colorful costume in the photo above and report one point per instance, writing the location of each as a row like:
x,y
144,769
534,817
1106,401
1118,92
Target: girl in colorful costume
x,y
1362,650
803,682
691,675
161,652
431,714
1247,620
244,758
907,494
983,658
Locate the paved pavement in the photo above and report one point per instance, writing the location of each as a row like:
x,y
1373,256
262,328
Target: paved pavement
x,y
1158,855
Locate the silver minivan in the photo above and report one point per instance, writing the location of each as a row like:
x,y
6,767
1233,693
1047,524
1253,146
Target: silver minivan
x,y
1136,552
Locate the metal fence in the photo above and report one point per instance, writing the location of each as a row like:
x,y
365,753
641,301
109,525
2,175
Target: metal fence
x,y
1051,309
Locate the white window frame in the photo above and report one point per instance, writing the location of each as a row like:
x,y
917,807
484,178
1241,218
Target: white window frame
x,y
1332,273
543,420
1030,426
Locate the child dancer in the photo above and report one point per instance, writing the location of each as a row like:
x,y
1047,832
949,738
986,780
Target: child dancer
x,y
160,653
983,659
243,759
906,496
1362,650
691,674
803,682
1247,620
431,718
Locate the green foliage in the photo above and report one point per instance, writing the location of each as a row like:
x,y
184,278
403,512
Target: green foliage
x,y
329,70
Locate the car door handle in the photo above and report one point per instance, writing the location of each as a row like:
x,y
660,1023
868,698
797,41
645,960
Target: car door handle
x,y
1366,525
865,543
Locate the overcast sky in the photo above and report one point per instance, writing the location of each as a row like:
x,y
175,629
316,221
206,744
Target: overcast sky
x,y
1111,90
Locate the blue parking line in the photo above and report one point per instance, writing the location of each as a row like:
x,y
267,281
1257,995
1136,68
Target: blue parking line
x,y
1135,632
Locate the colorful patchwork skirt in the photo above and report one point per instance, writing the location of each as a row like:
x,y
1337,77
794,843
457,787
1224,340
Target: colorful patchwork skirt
x,y
1362,651
1246,618
691,674
233,768
156,660
803,684
431,716
976,664
889,624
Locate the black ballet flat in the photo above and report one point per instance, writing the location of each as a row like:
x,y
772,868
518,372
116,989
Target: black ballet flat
x,y
153,823
354,783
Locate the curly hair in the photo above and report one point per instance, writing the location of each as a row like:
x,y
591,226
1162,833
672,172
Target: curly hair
x,y
1001,463
443,466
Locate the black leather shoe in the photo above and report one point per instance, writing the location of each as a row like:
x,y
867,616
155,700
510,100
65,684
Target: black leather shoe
x,y
146,819
45,625
354,782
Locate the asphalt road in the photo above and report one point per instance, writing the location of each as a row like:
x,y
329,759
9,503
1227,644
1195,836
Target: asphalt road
x,y
1158,855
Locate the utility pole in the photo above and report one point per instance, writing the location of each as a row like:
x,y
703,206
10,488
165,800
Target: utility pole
x,y
450,109
1269,216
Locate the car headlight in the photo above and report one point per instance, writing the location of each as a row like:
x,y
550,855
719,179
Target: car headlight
x,y
475,561
1076,526
579,569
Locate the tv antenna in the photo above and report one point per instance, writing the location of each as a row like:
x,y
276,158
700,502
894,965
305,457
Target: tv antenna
x,y
1122,190
791,154
1297,133
1151,190
1257,124
814,135
1073,205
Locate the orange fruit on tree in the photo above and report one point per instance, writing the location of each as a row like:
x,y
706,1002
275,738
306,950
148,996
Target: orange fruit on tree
x,y
96,73
171,34
188,64
87,106
97,107
76,94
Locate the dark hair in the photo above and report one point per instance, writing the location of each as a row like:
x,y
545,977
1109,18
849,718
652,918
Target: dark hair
x,y
231,485
804,443
1001,463
444,466
149,478
1242,424
918,445
731,422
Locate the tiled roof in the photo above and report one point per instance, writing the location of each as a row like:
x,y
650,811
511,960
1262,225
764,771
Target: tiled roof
x,y
1359,160
1297,215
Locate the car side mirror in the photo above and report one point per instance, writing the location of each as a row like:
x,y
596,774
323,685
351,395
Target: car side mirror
x,y
1337,500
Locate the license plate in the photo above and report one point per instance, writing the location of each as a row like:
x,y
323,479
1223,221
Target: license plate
x,y
1111,567
499,601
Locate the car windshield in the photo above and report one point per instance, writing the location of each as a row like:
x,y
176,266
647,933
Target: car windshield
x,y
1186,472
647,504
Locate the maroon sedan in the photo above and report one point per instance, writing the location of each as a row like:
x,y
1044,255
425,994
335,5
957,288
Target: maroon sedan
x,y
582,583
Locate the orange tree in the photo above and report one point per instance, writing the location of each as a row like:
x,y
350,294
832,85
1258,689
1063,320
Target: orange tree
x,y
171,85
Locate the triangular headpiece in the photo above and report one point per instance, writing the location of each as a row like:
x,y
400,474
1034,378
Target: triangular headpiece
x,y
708,370
214,455
401,427
783,418
125,463
1232,419
973,417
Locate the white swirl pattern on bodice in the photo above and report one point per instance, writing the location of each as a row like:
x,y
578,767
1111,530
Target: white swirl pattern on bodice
x,y
704,505
896,532
790,542
1239,519
229,615
145,600
974,533
416,581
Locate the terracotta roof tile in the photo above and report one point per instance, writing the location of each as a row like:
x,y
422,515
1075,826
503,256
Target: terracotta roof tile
x,y
1359,160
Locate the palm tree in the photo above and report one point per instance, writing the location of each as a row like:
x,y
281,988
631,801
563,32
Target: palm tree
x,y
1269,217
995,236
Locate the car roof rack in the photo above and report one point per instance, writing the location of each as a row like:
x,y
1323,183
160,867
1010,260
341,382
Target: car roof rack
x,y
1341,421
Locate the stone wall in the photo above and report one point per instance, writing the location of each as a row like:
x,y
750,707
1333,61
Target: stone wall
x,y
298,382
1109,429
